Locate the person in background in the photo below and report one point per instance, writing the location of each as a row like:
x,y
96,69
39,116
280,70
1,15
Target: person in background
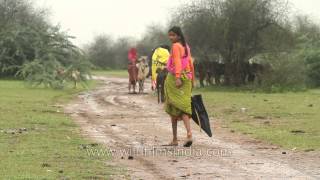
x,y
179,84
132,69
159,59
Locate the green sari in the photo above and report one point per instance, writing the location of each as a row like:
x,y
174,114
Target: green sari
x,y
178,100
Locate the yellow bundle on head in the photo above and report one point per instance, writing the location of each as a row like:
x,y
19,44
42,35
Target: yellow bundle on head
x,y
159,60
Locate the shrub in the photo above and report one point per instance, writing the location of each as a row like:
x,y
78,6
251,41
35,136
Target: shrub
x,y
312,60
287,73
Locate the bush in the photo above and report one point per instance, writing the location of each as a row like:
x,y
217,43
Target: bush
x,y
53,74
287,73
312,59
34,49
45,73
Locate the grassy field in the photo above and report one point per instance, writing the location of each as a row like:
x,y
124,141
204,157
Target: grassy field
x,y
111,73
37,141
291,120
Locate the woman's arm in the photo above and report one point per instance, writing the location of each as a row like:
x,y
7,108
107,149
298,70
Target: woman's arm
x,y
192,69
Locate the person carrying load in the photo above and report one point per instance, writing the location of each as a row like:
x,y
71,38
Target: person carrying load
x,y
159,61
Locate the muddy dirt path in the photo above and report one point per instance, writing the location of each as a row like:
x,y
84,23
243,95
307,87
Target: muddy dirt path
x,y
136,124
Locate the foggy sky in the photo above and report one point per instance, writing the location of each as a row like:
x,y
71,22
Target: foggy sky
x,y
87,18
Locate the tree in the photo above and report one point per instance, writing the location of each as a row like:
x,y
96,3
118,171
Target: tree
x,y
106,53
233,29
308,38
155,36
34,49
120,49
20,25
101,52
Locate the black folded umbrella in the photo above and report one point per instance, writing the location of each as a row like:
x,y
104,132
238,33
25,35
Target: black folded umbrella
x,y
200,115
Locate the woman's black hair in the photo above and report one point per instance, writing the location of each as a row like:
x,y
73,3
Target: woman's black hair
x,y
177,30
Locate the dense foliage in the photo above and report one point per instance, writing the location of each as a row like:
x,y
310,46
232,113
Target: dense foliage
x,y
237,32
33,49
107,53
234,33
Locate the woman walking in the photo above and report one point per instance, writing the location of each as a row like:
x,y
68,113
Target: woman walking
x,y
179,84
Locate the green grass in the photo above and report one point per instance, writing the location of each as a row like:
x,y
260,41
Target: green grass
x,y
111,73
51,146
269,117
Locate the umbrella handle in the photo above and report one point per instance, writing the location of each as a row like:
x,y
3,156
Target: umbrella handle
x,y
199,121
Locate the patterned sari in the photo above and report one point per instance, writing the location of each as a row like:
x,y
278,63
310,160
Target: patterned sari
x,y
178,100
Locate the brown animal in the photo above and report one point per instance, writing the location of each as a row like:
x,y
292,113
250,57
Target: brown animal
x,y
256,71
207,71
200,72
73,75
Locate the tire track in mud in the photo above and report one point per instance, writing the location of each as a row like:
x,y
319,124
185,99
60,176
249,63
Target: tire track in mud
x,y
110,116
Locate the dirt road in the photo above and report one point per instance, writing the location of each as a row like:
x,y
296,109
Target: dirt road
x,y
110,116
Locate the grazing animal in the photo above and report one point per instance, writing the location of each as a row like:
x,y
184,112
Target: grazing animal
x,y
75,77
143,71
207,71
71,74
218,72
200,72
61,75
213,72
256,72
209,77
161,78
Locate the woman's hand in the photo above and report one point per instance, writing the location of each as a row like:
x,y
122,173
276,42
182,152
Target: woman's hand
x,y
178,83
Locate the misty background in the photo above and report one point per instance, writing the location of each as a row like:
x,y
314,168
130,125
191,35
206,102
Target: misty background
x,y
268,44
87,18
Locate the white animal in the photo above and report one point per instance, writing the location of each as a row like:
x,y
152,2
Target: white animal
x,y
143,71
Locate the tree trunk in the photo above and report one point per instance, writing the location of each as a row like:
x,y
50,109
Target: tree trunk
x,y
228,73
